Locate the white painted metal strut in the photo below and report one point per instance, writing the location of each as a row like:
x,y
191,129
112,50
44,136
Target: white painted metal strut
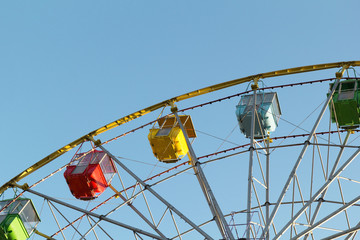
x,y
148,187
328,217
51,204
267,191
350,231
136,211
297,163
92,214
205,187
317,209
318,193
251,159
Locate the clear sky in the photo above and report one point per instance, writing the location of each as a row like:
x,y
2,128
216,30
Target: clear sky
x,y
69,67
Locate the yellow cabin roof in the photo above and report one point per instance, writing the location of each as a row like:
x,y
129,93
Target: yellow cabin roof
x,y
168,122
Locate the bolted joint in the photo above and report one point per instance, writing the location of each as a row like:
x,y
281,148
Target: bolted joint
x,y
96,142
174,109
254,86
24,187
338,75
269,140
197,164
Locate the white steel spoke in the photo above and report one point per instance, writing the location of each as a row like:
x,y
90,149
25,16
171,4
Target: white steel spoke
x,y
312,179
148,187
64,217
336,163
98,225
162,217
259,182
260,165
57,222
343,200
349,179
353,233
259,204
177,229
133,193
301,196
350,231
121,181
328,217
93,229
148,207
137,236
292,207
260,147
130,204
338,77
214,207
250,173
267,191
101,217
320,157
304,199
317,194
298,161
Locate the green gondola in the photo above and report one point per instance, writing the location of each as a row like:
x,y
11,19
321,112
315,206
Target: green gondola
x,y
345,104
18,220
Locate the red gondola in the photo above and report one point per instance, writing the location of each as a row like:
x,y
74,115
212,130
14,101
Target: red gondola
x,y
89,174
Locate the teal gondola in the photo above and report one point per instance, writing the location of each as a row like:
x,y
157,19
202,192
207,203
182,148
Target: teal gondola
x,y
267,115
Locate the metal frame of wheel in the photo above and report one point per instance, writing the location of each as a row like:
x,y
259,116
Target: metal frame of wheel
x,y
290,217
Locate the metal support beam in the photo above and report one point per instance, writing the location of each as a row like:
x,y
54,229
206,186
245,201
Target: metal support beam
x,y
317,194
205,187
135,210
103,218
298,161
267,191
350,231
317,209
327,218
152,108
148,187
251,160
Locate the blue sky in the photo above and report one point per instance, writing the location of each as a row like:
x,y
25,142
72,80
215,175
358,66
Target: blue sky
x,y
69,67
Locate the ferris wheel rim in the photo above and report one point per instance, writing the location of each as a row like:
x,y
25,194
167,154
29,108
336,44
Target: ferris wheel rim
x,y
89,137
216,87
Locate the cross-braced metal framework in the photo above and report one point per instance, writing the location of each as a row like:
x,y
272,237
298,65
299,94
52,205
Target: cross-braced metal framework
x,y
300,182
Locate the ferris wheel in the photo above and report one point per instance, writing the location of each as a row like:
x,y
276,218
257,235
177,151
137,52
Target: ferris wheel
x,y
268,156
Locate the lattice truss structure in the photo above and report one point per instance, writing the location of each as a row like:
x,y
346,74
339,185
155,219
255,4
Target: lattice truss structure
x,y
185,169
